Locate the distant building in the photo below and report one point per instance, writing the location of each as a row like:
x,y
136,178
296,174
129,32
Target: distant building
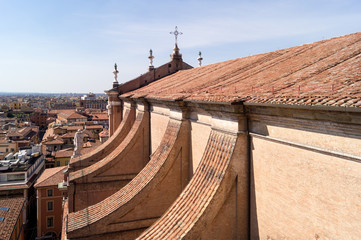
x,y
49,203
7,146
89,101
104,135
18,173
70,118
39,118
29,134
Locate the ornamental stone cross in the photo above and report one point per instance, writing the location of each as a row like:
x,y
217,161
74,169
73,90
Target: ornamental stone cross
x,y
176,33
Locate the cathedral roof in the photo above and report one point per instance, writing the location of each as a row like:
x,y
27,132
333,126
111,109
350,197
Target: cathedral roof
x,y
325,73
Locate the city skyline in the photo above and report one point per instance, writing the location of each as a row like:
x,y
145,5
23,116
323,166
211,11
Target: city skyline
x,y
72,46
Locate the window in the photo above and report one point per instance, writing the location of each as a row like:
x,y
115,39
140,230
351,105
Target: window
x,y
50,206
50,222
50,192
57,163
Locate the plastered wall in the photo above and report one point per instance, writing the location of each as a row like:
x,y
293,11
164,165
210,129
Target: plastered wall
x,y
304,184
159,118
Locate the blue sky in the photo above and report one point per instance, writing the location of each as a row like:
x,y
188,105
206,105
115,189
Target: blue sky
x,y
72,45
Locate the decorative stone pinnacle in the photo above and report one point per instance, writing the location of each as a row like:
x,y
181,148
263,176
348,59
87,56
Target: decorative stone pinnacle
x,y
115,72
200,58
151,57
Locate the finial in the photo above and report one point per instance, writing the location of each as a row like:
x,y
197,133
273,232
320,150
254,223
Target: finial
x,y
115,72
176,33
200,58
151,57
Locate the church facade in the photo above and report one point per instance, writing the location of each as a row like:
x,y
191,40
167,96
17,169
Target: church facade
x,y
261,147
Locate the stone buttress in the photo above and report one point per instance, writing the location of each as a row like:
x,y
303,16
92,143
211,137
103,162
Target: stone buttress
x,y
92,184
132,209
109,146
214,205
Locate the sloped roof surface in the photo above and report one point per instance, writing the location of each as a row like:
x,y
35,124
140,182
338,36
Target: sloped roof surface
x,y
11,216
50,177
322,73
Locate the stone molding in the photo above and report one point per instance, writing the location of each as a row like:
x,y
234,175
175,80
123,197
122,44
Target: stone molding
x,y
309,148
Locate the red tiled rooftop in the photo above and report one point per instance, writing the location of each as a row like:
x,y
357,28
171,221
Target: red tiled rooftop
x,y
15,206
70,128
113,155
56,141
94,127
321,73
189,207
109,145
50,177
64,153
100,210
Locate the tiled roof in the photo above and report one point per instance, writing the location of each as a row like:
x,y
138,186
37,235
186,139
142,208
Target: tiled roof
x,y
69,128
15,206
48,133
119,199
14,133
75,116
100,116
114,154
68,135
72,134
70,114
50,177
94,127
56,141
197,196
66,111
64,153
106,148
321,73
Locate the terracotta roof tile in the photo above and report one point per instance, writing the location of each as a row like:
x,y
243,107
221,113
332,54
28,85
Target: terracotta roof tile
x,y
64,153
94,213
104,149
15,206
113,155
196,197
50,177
327,70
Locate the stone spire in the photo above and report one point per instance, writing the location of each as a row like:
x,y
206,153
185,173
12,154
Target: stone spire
x,y
175,55
115,82
151,57
200,59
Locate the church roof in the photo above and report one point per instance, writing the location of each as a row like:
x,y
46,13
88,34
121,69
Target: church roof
x,y
325,73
